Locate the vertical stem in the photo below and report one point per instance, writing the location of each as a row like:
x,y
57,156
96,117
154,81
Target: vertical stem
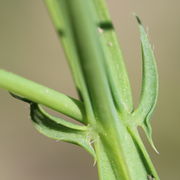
x,y
116,71
59,12
117,151
117,143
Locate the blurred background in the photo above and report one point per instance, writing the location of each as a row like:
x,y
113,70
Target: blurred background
x,y
29,47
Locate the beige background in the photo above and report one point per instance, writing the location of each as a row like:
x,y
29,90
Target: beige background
x,y
29,47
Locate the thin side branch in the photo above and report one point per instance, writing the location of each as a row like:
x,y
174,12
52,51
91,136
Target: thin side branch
x,y
41,95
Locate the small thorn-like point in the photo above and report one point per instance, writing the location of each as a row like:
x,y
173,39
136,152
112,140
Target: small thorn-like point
x,y
155,149
95,161
153,146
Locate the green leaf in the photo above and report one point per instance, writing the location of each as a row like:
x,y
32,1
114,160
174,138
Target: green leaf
x,y
58,128
60,121
149,89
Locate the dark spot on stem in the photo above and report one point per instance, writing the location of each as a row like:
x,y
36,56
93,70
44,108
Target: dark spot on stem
x,y
60,32
107,25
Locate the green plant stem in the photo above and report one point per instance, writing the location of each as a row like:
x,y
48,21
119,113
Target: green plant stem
x,y
58,10
41,94
115,67
119,155
106,106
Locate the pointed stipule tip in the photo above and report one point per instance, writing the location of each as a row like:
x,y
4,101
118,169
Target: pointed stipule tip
x,y
95,162
154,147
137,18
